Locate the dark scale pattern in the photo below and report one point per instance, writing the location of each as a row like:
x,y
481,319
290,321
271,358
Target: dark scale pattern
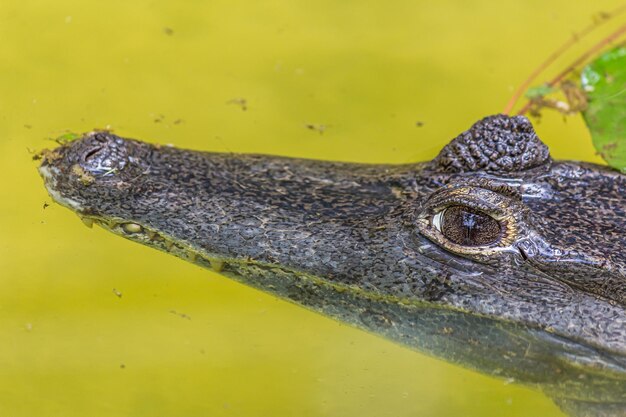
x,y
586,227
543,303
494,144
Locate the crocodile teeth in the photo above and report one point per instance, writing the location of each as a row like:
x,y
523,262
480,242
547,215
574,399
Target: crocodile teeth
x,y
216,264
151,235
87,221
132,228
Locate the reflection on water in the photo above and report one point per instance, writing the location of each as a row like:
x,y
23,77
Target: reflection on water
x,y
93,325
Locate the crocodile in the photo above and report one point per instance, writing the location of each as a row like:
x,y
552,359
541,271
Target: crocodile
x,y
492,256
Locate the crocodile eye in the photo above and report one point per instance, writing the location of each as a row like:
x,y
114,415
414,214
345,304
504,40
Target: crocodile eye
x,y
468,227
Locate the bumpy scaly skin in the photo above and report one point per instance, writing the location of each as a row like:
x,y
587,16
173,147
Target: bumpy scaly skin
x,y
544,304
504,144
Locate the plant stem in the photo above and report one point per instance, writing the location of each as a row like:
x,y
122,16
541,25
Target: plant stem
x,y
556,54
580,60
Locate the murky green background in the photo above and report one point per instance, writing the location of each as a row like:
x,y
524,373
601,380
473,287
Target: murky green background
x,y
92,325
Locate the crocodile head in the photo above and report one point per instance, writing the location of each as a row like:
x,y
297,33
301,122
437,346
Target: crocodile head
x,y
492,255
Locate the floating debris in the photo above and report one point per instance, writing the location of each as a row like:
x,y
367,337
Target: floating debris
x,y
241,102
182,315
83,176
316,127
65,138
47,155
37,155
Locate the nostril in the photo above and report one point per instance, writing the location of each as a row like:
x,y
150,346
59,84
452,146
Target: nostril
x,y
101,154
523,253
91,153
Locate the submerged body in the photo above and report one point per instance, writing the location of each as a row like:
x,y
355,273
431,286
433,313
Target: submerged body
x,y
492,256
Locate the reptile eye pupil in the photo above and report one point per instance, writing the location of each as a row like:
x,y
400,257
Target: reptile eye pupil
x,y
468,227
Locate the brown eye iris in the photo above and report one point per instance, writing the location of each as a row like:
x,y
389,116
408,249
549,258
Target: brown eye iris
x,y
468,227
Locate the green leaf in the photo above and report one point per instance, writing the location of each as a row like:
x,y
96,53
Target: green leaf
x,y
539,91
66,138
604,81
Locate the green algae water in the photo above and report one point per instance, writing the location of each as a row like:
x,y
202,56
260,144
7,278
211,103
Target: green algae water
x,y
95,325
